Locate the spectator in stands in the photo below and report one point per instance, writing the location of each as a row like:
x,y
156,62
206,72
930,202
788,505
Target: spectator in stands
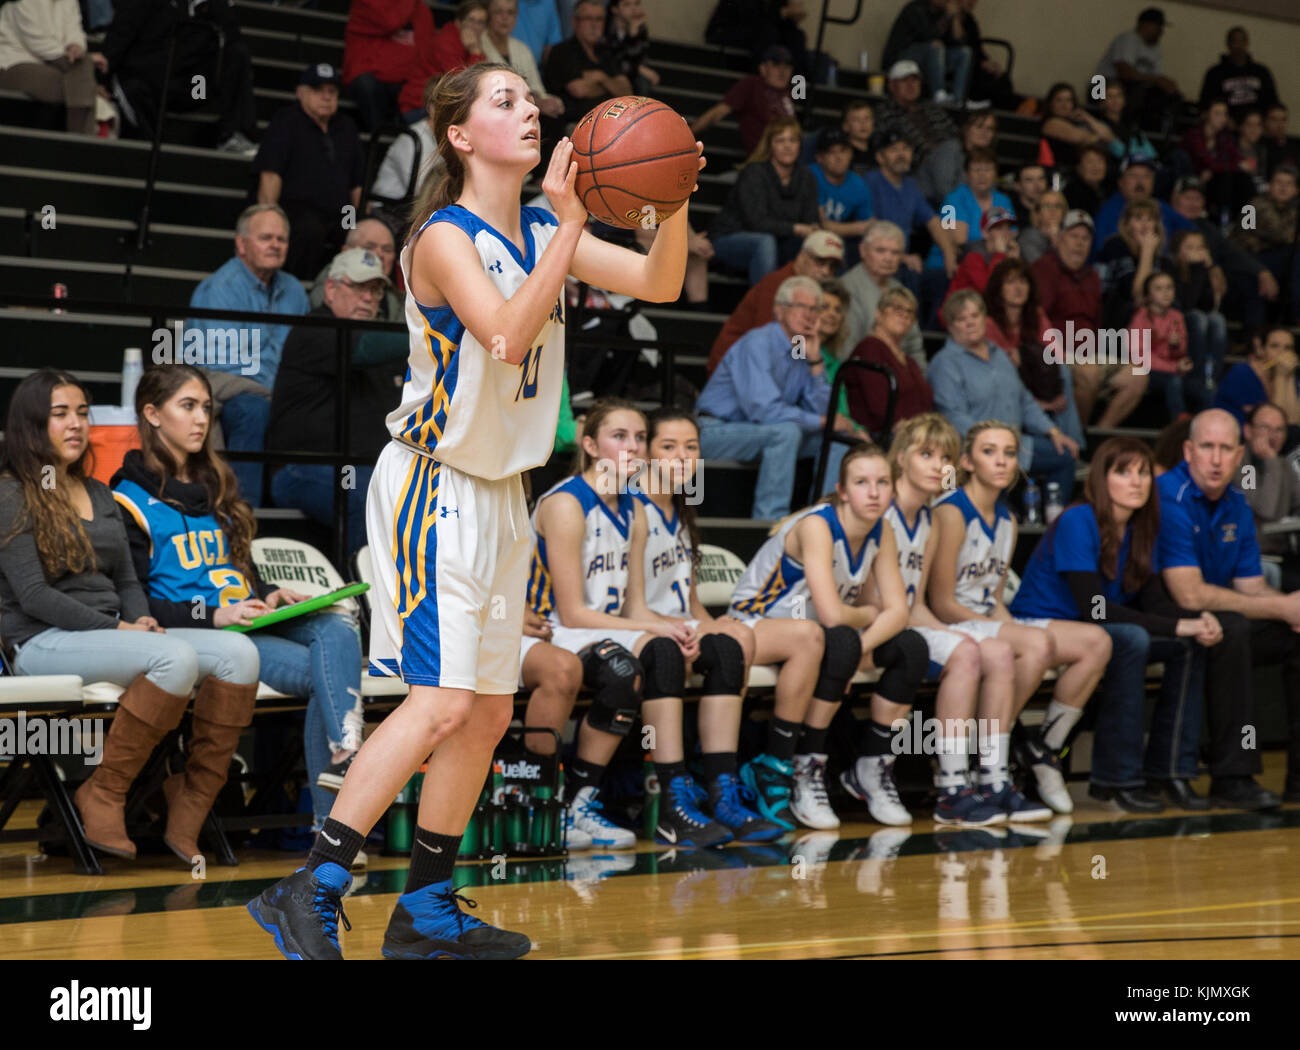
x,y
1209,555
936,147
1168,452
1046,216
1275,144
43,55
858,121
255,281
757,100
990,84
1017,324
577,71
1272,239
1268,374
821,254
311,163
409,161
969,203
176,494
974,380
375,236
1171,366
932,34
832,326
304,401
501,45
997,240
1244,83
1250,130
1127,136
1196,295
626,40
96,15
1089,184
767,402
881,252
1135,183
771,208
1274,493
867,393
1068,127
756,25
978,132
135,49
456,45
379,54
1134,59
70,603
1127,259
539,27
1211,146
843,200
1030,185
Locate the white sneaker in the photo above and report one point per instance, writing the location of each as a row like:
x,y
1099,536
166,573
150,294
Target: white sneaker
x,y
944,98
1050,780
574,836
871,779
585,815
239,143
808,802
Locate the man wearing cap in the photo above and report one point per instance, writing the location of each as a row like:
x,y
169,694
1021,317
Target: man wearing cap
x,y
936,146
997,241
932,34
577,71
373,235
880,253
1272,237
304,398
1136,182
310,162
842,197
1134,57
820,257
1069,293
757,100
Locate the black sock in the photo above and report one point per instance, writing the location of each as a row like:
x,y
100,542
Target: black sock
x,y
667,771
717,763
876,739
813,741
335,844
432,858
781,738
582,774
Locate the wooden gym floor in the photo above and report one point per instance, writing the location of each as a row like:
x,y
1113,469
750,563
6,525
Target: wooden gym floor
x,y
1175,886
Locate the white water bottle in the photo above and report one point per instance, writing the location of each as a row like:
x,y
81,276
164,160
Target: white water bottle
x,y
132,369
1053,508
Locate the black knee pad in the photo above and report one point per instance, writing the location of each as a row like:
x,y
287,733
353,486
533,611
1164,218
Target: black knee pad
x,y
840,662
903,666
614,677
665,669
722,663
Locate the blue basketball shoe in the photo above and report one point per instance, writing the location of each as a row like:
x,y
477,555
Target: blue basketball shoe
x,y
428,924
772,781
681,821
302,912
727,801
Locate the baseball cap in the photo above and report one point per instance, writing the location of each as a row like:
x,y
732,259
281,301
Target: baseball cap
x,y
319,73
886,137
1146,160
1077,217
995,217
1189,182
904,67
822,244
831,137
358,266
776,53
1152,14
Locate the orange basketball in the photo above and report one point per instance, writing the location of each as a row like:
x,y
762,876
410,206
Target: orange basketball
x,y
637,162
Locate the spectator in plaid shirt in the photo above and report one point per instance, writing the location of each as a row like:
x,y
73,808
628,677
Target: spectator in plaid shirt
x,y
936,146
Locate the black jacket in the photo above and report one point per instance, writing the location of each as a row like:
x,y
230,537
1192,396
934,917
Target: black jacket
x,y
137,40
1245,87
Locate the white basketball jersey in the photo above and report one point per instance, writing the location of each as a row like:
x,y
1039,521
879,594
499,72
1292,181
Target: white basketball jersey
x,y
774,584
462,406
911,547
984,556
667,561
604,552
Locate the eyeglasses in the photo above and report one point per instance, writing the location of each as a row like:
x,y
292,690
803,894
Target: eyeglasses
x,y
803,306
897,308
367,289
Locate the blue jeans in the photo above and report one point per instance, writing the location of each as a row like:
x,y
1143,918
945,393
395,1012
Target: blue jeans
x,y
1050,465
318,657
243,421
778,447
758,253
376,100
1207,341
1176,729
944,67
311,489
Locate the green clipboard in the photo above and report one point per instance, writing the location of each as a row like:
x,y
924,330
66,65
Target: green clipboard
x,y
311,605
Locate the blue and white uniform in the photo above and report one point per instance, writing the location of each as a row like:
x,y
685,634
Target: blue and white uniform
x,y
668,563
911,563
445,514
774,584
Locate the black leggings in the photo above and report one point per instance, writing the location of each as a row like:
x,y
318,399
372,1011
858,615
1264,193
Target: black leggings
x,y
903,661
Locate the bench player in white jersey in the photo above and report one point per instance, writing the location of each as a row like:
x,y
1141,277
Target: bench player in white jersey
x,y
662,584
824,563
445,510
590,528
977,537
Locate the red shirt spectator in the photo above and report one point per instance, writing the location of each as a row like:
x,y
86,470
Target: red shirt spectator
x,y
868,392
1220,155
1068,288
376,40
1168,338
443,51
755,100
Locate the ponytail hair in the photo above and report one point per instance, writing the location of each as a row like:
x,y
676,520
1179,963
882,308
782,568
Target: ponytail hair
x,y
862,450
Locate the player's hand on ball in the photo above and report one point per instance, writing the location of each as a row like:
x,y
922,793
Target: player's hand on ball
x,y
558,185
703,161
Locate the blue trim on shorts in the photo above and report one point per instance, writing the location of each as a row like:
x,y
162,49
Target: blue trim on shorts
x,y
421,636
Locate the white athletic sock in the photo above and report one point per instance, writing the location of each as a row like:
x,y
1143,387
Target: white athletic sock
x,y
1061,718
953,764
994,749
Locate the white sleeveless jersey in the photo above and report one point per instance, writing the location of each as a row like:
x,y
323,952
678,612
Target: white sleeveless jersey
x,y
462,406
774,584
911,547
604,552
667,561
985,553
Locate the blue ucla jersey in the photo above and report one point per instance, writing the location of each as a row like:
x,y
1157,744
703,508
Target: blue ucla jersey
x,y
985,553
774,584
462,406
188,556
605,545
667,561
911,547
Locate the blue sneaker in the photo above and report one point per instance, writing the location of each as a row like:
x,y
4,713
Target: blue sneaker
x,y
727,798
302,912
772,781
428,924
967,806
682,823
1015,805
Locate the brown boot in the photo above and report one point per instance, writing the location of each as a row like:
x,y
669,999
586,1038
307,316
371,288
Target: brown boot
x,y
221,711
145,714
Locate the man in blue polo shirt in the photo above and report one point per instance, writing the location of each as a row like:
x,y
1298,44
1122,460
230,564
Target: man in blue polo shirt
x,y
1210,560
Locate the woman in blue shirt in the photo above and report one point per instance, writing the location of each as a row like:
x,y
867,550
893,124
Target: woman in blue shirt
x,y
1269,374
1098,562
